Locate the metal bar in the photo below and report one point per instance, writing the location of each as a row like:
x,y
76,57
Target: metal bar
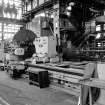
x,y
48,4
2,42
90,96
15,21
81,95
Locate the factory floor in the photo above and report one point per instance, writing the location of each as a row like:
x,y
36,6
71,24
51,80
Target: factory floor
x,y
19,92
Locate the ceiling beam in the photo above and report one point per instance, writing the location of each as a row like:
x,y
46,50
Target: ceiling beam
x,y
11,21
47,4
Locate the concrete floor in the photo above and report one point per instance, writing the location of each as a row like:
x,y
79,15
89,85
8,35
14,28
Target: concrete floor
x,y
19,92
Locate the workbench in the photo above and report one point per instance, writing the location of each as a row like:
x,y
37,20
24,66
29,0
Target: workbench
x,y
91,82
65,75
77,67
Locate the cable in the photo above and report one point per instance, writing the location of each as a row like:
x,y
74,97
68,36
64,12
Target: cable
x,y
48,21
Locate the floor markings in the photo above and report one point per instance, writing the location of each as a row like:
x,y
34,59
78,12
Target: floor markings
x,y
3,101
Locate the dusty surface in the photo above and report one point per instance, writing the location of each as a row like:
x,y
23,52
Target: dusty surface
x,y
19,92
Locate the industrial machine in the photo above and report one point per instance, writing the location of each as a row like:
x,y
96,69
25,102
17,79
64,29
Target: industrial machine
x,y
1,65
23,48
23,43
38,77
45,48
66,76
94,45
16,69
40,26
74,21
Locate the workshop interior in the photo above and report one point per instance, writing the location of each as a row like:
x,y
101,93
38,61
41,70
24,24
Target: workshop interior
x,y
58,44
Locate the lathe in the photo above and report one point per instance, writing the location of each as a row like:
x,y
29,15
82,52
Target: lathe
x,y
66,76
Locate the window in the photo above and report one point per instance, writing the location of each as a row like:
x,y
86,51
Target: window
x,y
10,30
10,9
